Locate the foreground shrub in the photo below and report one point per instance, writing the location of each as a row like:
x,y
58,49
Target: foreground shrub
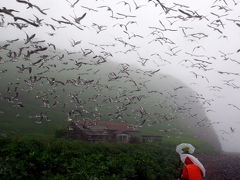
x,y
69,159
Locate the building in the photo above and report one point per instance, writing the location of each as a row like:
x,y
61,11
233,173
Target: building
x,y
95,131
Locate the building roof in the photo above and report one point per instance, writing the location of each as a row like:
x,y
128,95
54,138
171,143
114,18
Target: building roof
x,y
105,125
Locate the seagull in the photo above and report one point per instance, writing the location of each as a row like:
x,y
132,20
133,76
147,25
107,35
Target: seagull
x,y
73,4
78,19
137,6
108,9
11,41
125,4
234,106
8,11
74,43
198,47
125,15
99,28
29,38
38,21
90,9
30,5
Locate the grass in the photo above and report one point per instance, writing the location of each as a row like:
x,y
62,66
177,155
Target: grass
x,y
201,146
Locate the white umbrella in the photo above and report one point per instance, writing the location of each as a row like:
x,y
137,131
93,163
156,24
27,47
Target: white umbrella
x,y
185,147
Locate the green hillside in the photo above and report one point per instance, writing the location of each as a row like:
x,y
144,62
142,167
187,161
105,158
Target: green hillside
x,y
63,87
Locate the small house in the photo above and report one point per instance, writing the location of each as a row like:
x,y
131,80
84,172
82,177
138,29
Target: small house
x,y
95,131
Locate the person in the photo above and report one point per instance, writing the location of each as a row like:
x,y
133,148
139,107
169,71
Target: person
x,y
191,171
193,168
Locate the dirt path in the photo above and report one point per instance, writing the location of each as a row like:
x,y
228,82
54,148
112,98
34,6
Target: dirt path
x,y
221,167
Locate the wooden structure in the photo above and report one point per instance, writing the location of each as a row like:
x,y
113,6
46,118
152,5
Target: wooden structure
x,y
95,131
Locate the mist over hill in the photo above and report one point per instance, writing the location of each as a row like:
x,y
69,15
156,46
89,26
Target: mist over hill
x,y
42,89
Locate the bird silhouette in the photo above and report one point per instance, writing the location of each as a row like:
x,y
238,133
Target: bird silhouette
x,y
78,19
30,5
125,4
73,4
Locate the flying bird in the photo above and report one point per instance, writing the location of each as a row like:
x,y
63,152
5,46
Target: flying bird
x,y
29,38
73,4
30,5
234,106
75,43
78,19
108,9
90,9
137,6
198,47
125,4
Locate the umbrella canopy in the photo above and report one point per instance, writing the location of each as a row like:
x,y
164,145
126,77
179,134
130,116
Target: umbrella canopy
x,y
185,148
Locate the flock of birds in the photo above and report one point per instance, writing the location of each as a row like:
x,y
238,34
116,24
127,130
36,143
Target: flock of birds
x,y
38,59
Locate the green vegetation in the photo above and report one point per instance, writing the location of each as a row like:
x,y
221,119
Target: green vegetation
x,y
69,159
202,147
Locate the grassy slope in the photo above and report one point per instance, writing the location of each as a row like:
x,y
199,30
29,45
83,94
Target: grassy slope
x,y
25,126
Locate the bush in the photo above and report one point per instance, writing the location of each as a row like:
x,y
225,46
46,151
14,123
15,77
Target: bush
x,y
71,159
61,132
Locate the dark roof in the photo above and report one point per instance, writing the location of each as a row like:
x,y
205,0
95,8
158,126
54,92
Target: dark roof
x,y
105,125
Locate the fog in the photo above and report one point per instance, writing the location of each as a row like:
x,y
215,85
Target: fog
x,y
201,50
